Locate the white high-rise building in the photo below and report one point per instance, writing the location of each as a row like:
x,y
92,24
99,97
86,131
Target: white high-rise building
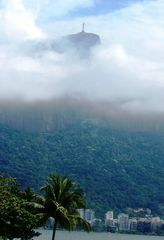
x,y
81,212
123,222
155,223
109,222
133,225
109,215
89,215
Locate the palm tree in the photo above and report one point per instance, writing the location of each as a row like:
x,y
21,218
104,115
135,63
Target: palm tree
x,y
61,201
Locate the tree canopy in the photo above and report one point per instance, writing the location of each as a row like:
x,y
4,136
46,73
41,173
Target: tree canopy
x,y
16,220
118,164
22,212
61,201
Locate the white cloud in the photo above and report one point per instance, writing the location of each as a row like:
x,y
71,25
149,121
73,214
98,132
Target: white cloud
x,y
133,53
128,67
19,22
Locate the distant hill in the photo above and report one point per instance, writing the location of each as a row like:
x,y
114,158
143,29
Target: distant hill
x,y
117,167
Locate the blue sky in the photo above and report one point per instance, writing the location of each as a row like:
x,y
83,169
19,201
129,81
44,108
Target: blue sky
x,y
51,10
58,10
103,7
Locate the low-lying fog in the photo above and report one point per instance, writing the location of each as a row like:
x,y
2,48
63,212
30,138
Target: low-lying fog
x,y
126,71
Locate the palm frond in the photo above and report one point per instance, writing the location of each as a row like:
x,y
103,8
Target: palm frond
x,y
83,224
61,200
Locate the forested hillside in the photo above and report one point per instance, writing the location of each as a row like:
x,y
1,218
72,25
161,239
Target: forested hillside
x,y
115,168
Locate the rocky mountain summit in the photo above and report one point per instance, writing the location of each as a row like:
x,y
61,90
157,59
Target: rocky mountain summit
x,y
79,43
82,41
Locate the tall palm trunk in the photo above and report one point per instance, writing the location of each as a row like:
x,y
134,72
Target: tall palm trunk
x,y
54,230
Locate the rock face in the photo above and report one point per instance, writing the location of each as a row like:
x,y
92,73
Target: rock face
x,y
82,42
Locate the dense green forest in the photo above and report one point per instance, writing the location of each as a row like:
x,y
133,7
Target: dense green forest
x,y
115,168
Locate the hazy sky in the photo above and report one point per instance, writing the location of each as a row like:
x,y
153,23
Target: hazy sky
x,y
127,68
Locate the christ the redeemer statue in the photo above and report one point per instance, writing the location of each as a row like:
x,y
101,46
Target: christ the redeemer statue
x,y
83,27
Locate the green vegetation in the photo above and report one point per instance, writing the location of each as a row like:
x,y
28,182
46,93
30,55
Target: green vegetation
x,y
61,202
115,168
16,220
22,212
